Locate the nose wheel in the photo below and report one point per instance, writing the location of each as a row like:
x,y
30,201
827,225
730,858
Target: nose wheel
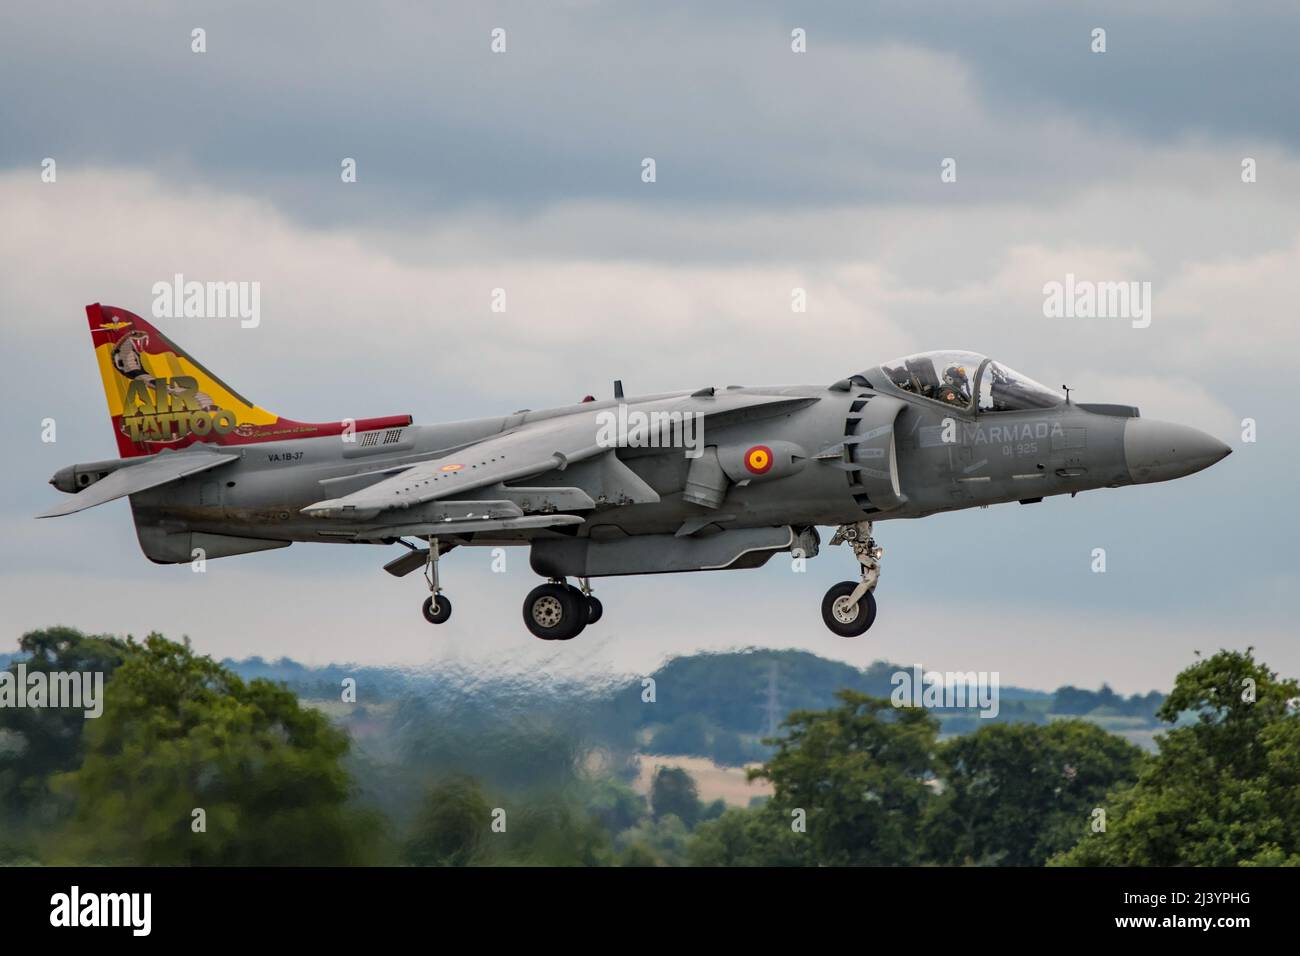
x,y
849,609
846,615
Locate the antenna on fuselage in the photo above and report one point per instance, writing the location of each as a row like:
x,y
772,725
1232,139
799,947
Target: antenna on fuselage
x,y
618,388
1067,393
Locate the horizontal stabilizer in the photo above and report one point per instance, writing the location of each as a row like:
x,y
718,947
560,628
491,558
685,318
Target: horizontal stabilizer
x,y
162,468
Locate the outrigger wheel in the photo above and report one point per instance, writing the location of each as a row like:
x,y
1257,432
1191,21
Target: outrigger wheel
x,y
556,611
436,609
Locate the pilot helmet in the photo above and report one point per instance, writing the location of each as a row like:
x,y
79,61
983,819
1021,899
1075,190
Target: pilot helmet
x,y
955,375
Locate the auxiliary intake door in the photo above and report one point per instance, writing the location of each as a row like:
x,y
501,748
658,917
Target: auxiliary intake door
x,y
870,456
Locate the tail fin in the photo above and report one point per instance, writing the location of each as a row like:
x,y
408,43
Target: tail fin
x,y
160,397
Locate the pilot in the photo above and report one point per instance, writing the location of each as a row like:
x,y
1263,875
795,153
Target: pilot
x,y
958,392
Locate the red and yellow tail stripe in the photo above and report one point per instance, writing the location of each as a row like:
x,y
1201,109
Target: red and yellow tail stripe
x,y
160,397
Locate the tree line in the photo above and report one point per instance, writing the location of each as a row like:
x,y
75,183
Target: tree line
x,y
192,764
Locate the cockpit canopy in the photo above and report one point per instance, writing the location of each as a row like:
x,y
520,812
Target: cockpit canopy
x,y
955,378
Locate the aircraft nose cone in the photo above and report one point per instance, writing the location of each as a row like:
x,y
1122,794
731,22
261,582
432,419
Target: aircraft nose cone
x,y
1159,451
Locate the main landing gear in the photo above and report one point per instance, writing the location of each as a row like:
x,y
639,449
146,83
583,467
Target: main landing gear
x,y
556,611
849,609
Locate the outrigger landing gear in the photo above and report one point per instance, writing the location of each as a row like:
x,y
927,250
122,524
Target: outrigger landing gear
x,y
437,608
556,611
850,609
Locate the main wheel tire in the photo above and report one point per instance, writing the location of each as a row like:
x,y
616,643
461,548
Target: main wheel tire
x,y
581,598
594,609
553,612
584,600
843,618
436,609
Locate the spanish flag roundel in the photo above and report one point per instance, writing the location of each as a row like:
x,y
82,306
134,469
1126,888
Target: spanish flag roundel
x,y
758,460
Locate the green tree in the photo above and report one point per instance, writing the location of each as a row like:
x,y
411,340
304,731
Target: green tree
x,y
729,750
1224,789
688,734
751,837
616,805
1014,794
181,733
859,773
451,826
711,811
674,792
43,741
458,824
549,829
666,839
638,854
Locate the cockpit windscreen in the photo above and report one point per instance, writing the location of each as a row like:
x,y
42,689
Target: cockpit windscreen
x,y
1006,390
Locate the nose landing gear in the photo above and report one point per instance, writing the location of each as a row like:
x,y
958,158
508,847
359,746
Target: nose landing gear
x,y
850,609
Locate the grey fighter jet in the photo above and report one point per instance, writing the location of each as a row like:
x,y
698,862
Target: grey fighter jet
x,y
712,479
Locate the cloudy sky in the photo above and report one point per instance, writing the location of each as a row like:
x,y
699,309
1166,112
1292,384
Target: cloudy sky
x,y
775,170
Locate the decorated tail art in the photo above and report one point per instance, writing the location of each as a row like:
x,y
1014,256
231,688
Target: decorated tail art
x,y
160,397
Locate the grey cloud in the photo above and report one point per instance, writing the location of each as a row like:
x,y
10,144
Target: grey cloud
x,y
522,172
711,92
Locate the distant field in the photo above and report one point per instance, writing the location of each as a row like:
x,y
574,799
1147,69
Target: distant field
x,y
714,782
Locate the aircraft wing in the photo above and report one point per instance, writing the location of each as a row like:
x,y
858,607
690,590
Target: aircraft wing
x,y
529,450
525,451
158,470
